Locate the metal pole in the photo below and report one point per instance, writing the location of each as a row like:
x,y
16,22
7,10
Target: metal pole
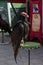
x,y
26,9
14,10
28,57
26,6
2,36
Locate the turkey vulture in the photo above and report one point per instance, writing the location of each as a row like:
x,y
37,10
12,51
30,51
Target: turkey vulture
x,y
20,30
18,33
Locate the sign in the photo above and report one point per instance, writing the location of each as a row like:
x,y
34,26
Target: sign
x,y
36,22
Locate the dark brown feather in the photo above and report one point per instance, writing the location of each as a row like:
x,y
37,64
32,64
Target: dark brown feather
x,y
16,39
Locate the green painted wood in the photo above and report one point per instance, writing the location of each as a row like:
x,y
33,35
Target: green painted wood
x,y
19,5
30,45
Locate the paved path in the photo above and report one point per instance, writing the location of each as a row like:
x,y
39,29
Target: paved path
x,y
7,58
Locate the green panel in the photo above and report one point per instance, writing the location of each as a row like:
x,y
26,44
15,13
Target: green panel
x,y
31,45
18,5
